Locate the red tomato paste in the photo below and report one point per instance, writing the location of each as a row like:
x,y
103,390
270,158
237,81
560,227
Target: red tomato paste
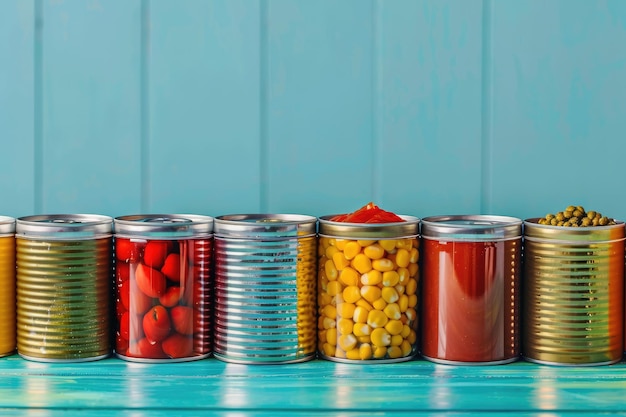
x,y
369,213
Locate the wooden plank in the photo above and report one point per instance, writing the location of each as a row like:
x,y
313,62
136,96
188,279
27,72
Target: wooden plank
x,y
312,387
428,107
558,106
204,107
17,106
91,106
318,77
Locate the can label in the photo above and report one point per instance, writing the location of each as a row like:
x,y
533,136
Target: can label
x,y
7,295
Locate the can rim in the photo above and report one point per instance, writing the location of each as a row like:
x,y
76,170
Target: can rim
x,y
163,226
410,227
64,226
265,225
7,225
471,227
560,234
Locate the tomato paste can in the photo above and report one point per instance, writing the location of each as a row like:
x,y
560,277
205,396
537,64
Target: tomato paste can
x,y
265,288
64,268
573,309
471,289
368,290
7,286
163,287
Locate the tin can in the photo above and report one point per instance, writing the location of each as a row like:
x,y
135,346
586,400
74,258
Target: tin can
x,y
265,288
64,268
573,312
471,289
7,286
368,279
163,282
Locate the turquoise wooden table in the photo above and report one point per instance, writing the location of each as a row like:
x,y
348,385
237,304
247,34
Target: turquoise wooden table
x,y
115,387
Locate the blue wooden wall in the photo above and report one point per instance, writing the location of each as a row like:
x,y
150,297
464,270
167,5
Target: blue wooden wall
x,y
425,107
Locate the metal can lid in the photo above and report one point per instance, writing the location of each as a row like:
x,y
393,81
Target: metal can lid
x,y
409,227
477,227
64,226
163,226
7,225
265,226
535,231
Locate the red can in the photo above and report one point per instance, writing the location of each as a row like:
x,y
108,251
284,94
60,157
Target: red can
x,y
471,289
163,287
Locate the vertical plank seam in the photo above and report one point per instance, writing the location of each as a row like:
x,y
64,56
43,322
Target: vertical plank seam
x,y
377,86
264,186
486,110
144,144
38,109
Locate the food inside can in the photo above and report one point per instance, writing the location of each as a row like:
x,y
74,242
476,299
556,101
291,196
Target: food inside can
x,y
576,216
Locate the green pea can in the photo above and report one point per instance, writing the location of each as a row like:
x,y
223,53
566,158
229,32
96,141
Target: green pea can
x,y
573,294
7,285
64,287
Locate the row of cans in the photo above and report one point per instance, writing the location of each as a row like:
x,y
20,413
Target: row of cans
x,y
283,288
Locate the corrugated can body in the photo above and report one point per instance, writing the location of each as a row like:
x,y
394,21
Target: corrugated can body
x,y
64,268
7,285
368,281
265,288
573,311
163,287
471,289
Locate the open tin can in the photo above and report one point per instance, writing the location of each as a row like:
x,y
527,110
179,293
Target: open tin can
x,y
7,286
265,288
471,289
163,284
368,296
573,310
64,268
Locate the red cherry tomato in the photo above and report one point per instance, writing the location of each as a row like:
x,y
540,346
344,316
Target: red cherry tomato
x,y
171,297
178,346
150,281
182,319
156,324
127,251
155,253
122,272
121,345
171,267
144,349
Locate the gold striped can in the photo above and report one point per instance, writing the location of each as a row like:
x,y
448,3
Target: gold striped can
x,y
64,287
573,294
7,285
265,270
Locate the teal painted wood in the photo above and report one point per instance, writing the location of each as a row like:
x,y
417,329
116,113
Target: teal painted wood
x,y
91,106
17,128
558,106
411,388
204,98
428,107
319,106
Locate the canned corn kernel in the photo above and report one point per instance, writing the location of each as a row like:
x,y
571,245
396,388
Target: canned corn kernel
x,y
368,279
573,312
7,285
64,287
471,270
265,288
163,287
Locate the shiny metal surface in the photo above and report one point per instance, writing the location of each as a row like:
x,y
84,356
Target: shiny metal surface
x,y
7,286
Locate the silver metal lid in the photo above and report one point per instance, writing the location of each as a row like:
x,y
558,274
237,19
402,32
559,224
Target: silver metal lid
x,y
163,226
409,227
471,227
64,226
7,225
265,226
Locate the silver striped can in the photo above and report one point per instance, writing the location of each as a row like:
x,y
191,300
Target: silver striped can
x,y
265,288
7,285
64,268
573,294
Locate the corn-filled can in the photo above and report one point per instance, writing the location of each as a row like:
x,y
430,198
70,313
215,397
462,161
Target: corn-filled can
x,y
368,279
265,288
64,268
573,310
7,285
163,282
471,289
